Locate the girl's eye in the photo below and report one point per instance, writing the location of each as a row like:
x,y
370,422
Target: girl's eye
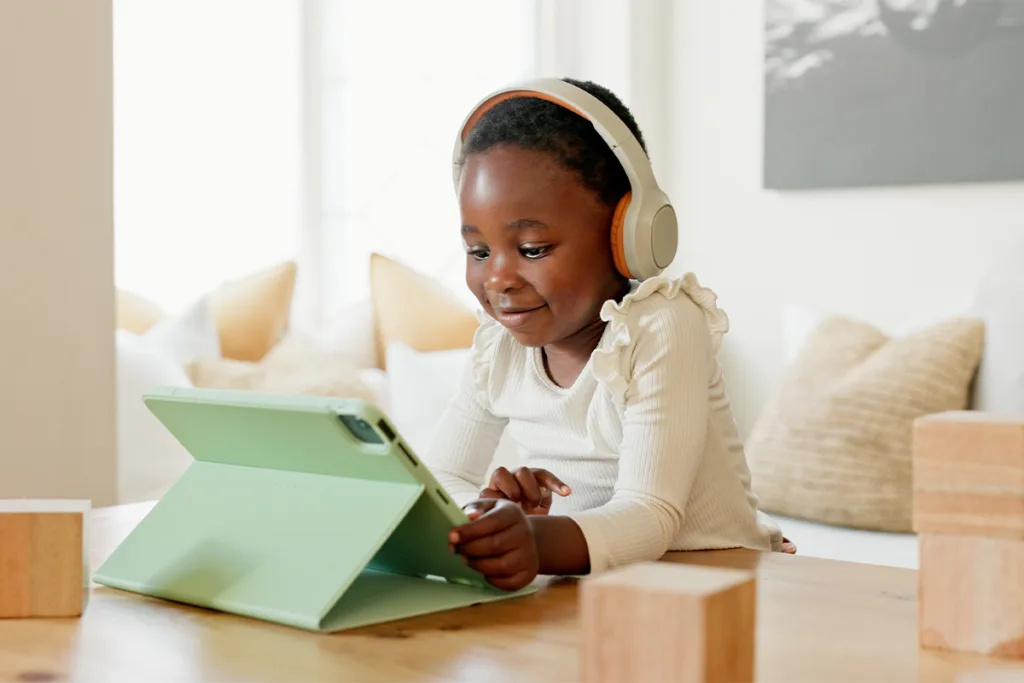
x,y
533,252
479,253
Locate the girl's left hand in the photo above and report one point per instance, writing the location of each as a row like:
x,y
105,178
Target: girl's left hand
x,y
531,487
498,542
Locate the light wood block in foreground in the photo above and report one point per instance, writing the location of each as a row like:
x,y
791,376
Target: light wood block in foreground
x,y
668,622
993,675
971,595
43,558
969,475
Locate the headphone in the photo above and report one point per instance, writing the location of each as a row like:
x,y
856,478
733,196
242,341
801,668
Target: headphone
x,y
645,232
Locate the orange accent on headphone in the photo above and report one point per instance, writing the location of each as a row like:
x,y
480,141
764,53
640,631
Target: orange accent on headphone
x,y
501,97
618,218
618,244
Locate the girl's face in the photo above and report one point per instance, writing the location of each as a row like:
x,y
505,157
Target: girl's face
x,y
538,257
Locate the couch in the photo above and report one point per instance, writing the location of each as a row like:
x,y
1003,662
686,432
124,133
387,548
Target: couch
x,y
404,349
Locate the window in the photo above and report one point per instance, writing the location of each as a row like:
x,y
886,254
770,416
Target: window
x,y
208,142
248,132
396,79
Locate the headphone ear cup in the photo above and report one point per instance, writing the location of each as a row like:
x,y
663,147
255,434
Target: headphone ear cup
x,y
619,236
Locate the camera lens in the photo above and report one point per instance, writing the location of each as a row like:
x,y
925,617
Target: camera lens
x,y
360,429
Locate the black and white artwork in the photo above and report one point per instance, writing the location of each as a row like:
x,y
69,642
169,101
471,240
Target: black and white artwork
x,y
869,93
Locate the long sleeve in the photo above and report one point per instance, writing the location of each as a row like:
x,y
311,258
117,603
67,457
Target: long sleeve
x,y
665,428
466,438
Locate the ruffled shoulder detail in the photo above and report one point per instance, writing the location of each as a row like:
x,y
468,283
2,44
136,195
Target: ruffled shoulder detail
x,y
612,359
485,344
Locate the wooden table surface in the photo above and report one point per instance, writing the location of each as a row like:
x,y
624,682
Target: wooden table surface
x,y
818,621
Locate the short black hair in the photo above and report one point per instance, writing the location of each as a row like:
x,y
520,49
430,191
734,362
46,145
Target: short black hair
x,y
536,124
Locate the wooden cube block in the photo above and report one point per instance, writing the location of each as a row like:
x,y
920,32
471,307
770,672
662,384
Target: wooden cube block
x,y
992,675
969,475
971,594
667,622
43,558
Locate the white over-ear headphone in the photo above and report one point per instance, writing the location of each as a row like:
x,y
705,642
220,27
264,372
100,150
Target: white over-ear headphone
x,y
645,233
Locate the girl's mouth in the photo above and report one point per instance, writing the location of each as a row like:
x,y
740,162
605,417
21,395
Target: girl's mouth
x,y
516,317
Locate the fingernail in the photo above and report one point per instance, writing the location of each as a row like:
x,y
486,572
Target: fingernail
x,y
453,537
566,490
451,548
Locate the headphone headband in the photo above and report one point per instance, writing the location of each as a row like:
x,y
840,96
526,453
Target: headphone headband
x,y
609,126
647,236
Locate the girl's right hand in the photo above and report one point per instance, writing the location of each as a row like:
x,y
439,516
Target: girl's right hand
x,y
530,487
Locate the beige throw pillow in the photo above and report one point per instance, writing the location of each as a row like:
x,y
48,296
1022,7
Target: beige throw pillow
x,y
252,313
135,313
833,445
417,311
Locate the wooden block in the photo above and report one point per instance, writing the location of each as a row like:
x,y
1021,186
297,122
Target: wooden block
x,y
969,475
668,622
971,595
43,558
992,675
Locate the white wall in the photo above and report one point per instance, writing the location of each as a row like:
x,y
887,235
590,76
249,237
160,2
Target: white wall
x,y
56,251
888,256
692,74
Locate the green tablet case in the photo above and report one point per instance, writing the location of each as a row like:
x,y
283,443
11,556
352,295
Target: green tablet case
x,y
286,516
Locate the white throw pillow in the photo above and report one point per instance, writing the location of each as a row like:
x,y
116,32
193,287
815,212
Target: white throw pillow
x,y
420,387
377,380
189,336
348,332
149,459
999,301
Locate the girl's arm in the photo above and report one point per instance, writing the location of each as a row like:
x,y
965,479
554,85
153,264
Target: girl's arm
x,y
465,441
665,427
664,432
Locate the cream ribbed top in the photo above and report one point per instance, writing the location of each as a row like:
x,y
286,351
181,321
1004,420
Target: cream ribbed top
x,y
645,436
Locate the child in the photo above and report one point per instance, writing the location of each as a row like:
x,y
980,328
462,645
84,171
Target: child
x,y
609,386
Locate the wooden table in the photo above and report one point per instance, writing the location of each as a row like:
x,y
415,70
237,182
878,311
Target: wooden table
x,y
818,621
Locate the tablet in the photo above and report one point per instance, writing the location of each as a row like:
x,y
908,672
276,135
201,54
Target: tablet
x,y
305,510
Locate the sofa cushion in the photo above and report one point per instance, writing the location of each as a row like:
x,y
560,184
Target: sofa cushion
x,y
296,366
149,459
999,301
252,313
420,385
417,311
833,444
135,313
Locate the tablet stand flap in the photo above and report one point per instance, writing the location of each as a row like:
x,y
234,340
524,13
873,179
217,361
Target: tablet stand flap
x,y
277,545
376,597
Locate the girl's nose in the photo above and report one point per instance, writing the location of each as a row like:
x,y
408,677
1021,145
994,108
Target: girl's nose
x,y
503,275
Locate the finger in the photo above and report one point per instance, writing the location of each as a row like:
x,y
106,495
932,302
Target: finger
x,y
544,507
515,582
501,516
503,566
503,481
497,544
475,508
550,481
528,485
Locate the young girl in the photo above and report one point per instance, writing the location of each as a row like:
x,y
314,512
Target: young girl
x,y
609,386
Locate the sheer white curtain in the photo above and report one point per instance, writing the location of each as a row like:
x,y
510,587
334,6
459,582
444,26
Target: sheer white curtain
x,y
208,142
391,81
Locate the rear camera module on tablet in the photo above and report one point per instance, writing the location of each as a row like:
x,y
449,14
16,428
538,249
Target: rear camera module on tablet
x,y
360,429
